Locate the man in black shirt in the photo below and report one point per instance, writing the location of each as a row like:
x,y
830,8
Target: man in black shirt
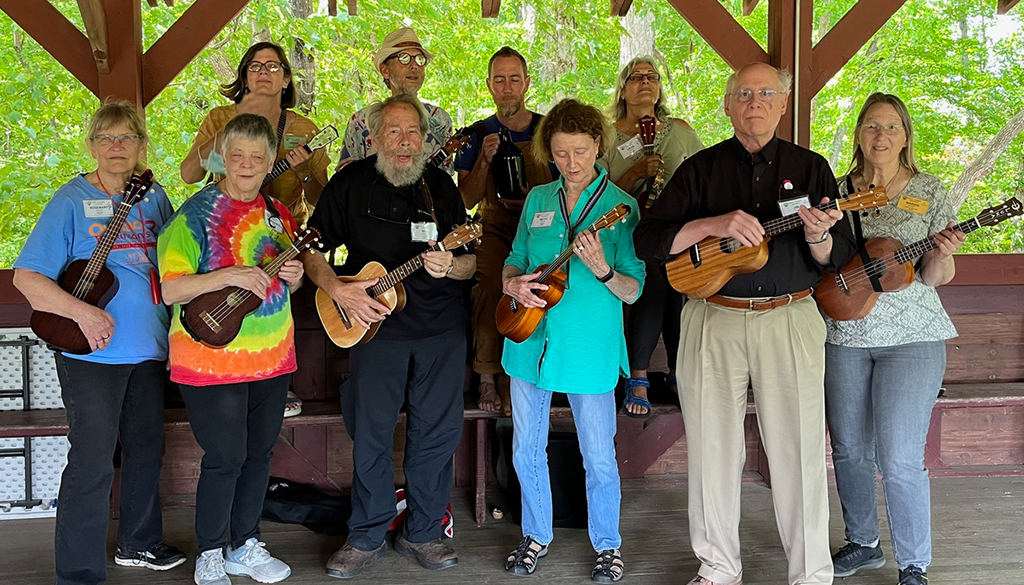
x,y
762,329
376,208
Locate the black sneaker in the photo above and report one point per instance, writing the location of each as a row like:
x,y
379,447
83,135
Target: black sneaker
x,y
913,576
161,557
854,558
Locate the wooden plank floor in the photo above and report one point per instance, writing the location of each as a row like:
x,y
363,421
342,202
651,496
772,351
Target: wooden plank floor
x,y
978,538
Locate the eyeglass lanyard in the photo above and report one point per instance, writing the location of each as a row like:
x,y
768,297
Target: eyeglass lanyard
x,y
564,208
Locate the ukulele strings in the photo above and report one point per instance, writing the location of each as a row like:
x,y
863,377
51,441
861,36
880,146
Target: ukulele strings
x,y
239,296
710,249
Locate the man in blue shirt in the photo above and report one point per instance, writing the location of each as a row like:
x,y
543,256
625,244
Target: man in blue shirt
x,y
507,80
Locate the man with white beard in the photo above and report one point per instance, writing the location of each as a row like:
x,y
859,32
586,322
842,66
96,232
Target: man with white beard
x,y
389,208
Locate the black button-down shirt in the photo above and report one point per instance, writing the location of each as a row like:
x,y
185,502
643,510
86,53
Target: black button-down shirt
x,y
373,219
726,177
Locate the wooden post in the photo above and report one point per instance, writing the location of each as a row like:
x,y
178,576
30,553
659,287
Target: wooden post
x,y
124,44
789,47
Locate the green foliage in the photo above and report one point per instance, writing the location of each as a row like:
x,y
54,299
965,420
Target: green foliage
x,y
951,60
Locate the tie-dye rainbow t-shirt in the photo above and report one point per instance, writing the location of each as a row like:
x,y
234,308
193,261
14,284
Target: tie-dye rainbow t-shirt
x,y
212,231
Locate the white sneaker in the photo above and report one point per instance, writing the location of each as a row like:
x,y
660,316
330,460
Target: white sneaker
x,y
210,568
253,560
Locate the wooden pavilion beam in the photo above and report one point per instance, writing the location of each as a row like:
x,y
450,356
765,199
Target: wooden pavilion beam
x,y
749,6
789,47
847,37
124,78
1006,5
621,7
96,31
351,7
490,8
57,36
716,26
176,48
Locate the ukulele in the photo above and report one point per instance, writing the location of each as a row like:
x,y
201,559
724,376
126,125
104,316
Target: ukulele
x,y
326,136
702,269
652,185
90,280
457,142
850,293
215,318
389,290
517,322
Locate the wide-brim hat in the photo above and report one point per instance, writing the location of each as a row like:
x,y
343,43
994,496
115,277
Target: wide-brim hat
x,y
403,38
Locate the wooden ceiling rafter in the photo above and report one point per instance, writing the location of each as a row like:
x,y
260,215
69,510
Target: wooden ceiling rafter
x,y
490,8
180,44
621,7
719,29
846,38
95,20
1006,6
749,6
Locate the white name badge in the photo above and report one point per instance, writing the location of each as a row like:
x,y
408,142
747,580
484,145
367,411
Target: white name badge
x,y
630,147
542,219
96,208
791,206
424,231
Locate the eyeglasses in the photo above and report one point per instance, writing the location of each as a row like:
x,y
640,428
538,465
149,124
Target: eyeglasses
x,y
745,94
638,77
405,58
256,66
890,129
106,140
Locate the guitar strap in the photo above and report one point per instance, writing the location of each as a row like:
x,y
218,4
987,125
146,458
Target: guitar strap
x,y
876,285
430,203
564,207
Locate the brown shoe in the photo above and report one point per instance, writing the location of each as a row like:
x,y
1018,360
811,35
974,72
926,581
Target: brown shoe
x,y
431,555
348,561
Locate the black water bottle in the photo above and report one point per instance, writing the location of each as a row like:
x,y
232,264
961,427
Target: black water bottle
x,y
509,169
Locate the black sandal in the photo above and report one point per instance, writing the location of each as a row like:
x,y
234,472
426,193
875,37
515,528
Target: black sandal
x,y
523,560
609,567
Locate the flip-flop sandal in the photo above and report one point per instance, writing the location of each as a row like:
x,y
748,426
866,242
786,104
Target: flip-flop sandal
x,y
292,399
632,398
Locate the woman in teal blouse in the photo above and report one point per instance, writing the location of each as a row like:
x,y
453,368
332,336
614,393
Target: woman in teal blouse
x,y
579,348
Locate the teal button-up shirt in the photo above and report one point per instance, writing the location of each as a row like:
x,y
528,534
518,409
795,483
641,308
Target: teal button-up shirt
x,y
579,347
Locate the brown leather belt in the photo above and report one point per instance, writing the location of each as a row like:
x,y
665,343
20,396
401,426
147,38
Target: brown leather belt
x,y
759,305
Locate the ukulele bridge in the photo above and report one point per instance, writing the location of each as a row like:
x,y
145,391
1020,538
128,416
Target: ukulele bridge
x,y
210,322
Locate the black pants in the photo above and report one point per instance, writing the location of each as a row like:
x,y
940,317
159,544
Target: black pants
x,y
237,426
106,404
655,313
428,375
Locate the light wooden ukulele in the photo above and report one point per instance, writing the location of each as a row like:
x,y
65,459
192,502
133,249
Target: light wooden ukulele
x,y
215,318
652,185
389,291
326,136
703,269
518,322
850,293
90,280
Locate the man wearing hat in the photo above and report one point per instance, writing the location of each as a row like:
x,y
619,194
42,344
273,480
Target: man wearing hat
x,y
402,62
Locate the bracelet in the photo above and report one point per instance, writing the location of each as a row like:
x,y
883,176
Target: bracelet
x,y
821,241
606,277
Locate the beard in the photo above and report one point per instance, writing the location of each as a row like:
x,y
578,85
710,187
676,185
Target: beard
x,y
507,110
387,165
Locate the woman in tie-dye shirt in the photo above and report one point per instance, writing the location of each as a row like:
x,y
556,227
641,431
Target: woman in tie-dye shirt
x,y
234,394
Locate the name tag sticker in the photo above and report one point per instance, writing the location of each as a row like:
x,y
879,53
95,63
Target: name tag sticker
x,y
542,219
424,231
290,141
913,204
96,208
630,147
791,206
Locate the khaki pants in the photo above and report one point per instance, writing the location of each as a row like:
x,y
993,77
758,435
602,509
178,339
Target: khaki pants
x,y
781,353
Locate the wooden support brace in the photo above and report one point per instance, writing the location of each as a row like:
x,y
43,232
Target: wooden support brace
x,y
715,25
183,41
749,6
57,36
96,30
490,8
152,3
841,43
332,7
351,7
621,7
642,441
1006,5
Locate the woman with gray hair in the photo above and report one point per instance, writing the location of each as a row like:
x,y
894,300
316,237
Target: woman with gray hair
x,y
234,394
642,120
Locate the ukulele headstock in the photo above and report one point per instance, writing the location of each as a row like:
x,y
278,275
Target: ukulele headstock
x,y
870,198
615,214
1000,213
326,136
462,235
309,238
136,188
648,126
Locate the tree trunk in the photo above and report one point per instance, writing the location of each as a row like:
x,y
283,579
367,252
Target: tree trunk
x,y
982,165
637,37
303,63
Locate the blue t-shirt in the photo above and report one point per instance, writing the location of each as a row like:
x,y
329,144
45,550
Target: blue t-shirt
x,y
69,229
466,158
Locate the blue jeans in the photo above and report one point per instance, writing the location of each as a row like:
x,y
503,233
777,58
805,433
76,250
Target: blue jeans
x,y
594,415
879,406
